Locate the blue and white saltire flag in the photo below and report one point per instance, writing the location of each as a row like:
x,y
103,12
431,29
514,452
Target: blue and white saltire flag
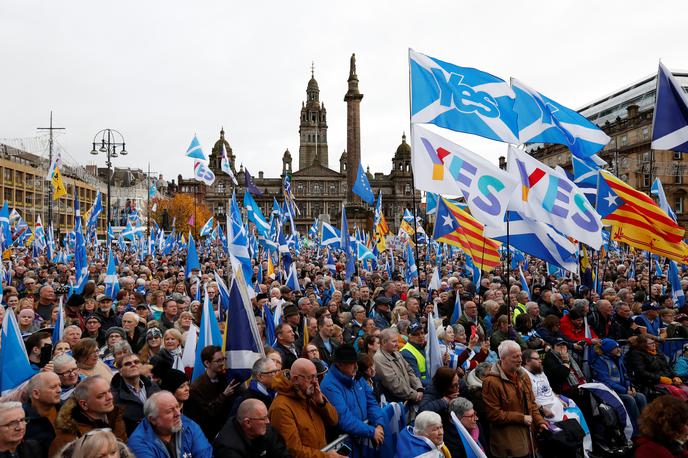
x,y
547,196
111,279
203,173
538,239
363,253
677,293
58,330
585,176
195,151
670,119
207,227
110,234
433,352
223,295
255,215
435,282
293,278
237,238
461,98
411,268
15,368
331,236
330,264
226,166
243,344
269,242
39,235
524,283
658,267
542,120
96,210
5,231
284,252
192,262
209,334
470,446
609,397
362,187
476,273
276,209
80,255
658,190
313,230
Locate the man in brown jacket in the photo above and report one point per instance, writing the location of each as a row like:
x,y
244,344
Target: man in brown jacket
x,y
510,405
300,412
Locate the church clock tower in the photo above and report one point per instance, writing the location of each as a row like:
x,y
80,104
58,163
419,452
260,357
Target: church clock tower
x,y
313,128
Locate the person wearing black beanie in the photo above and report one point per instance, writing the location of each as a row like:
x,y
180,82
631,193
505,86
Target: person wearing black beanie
x,y
177,383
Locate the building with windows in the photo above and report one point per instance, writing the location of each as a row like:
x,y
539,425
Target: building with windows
x,y
626,116
319,190
24,187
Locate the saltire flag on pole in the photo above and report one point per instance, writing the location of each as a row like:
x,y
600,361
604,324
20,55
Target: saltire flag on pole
x,y
251,184
5,231
433,352
192,262
538,239
226,166
362,187
658,190
95,211
207,227
80,255
111,279
670,118
638,221
243,345
195,151
209,334
255,215
461,98
330,236
58,330
585,177
677,293
542,120
455,227
443,167
524,283
15,368
237,238
548,196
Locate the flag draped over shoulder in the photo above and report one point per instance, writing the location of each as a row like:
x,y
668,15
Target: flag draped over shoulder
x,y
638,221
455,227
461,99
443,167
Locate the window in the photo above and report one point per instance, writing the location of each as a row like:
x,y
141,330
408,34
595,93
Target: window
x,y
646,180
678,204
678,178
407,189
677,156
623,140
333,189
646,133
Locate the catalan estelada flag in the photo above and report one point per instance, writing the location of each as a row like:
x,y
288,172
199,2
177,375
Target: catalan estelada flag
x,y
456,227
638,221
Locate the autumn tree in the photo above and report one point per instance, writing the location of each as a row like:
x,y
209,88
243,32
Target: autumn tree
x,y
181,209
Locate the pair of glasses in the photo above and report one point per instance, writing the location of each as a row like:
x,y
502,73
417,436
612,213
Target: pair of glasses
x,y
16,424
69,372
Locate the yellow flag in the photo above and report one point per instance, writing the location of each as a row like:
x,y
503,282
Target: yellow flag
x,y
59,189
271,268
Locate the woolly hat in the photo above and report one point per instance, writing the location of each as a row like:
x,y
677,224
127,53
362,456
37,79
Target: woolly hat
x,y
173,379
608,345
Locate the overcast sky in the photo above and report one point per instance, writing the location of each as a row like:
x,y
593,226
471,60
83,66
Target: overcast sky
x,y
160,71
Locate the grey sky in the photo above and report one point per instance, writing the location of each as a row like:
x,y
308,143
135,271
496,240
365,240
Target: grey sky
x,y
160,71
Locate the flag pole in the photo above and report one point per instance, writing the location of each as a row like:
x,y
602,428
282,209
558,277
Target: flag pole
x,y
413,178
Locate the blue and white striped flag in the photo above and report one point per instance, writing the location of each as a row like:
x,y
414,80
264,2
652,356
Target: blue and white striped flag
x,y
209,334
471,448
15,368
58,330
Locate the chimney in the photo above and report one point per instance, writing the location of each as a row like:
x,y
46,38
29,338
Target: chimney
x,y
632,111
260,174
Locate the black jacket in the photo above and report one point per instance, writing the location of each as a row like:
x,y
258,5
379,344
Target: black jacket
x,y
325,355
27,449
232,443
129,402
39,429
645,369
288,357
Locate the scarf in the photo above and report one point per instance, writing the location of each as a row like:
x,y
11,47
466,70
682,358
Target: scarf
x,y
575,376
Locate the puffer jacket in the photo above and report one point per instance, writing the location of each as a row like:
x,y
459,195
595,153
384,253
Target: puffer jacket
x,y
506,404
71,424
646,369
611,372
191,441
299,420
354,400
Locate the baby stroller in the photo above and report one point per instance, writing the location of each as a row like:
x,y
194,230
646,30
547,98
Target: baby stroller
x,y
609,424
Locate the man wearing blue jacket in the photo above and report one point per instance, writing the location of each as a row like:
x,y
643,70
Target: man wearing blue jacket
x,y
166,433
608,368
354,401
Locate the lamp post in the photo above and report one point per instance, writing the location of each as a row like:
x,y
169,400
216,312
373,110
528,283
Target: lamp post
x,y
108,140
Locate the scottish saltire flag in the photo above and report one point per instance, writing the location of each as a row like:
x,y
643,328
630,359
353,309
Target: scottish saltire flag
x,y
435,283
542,120
250,183
331,236
5,231
461,98
677,293
243,345
658,190
58,330
547,196
111,279
237,238
363,253
207,227
203,173
226,166
15,368
609,397
313,230
538,239
330,264
471,448
293,278
585,176
152,190
524,283
192,262
476,273
96,210
443,167
209,334
255,215
411,268
80,255
362,187
194,150
345,243
433,352
670,120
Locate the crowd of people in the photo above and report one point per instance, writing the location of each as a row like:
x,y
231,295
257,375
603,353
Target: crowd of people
x,y
515,362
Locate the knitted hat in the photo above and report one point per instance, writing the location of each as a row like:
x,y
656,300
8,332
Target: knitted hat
x,y
173,379
608,345
116,330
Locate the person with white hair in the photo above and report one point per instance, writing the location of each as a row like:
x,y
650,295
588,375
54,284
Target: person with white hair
x,y
164,431
510,405
12,431
425,438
